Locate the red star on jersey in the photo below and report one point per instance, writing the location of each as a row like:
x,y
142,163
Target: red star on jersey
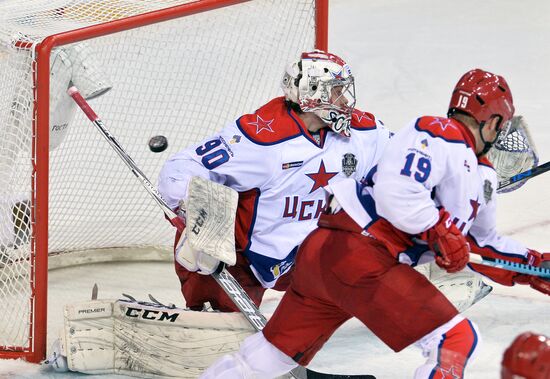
x,y
360,115
321,177
451,372
442,125
475,205
262,124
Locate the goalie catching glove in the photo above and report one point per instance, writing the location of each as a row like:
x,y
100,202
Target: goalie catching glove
x,y
209,236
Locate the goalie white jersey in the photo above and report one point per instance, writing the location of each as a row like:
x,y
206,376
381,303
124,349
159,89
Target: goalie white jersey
x,y
279,170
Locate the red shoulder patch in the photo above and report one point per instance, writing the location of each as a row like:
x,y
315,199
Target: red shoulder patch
x,y
485,161
362,120
442,127
271,124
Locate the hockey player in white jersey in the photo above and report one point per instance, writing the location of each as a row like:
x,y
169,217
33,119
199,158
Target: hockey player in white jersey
x,y
444,165
277,158
434,189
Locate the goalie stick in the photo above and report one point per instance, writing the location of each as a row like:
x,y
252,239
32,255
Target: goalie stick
x,y
229,284
531,173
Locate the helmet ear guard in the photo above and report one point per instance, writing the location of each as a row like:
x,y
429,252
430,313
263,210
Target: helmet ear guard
x,y
314,80
291,78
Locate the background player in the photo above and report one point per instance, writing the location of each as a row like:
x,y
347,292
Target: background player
x,y
528,356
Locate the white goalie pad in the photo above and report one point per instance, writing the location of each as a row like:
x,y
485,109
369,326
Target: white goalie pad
x,y
463,289
514,154
146,339
210,212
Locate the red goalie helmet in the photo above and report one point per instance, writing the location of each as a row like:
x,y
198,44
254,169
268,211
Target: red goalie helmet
x,y
527,357
482,95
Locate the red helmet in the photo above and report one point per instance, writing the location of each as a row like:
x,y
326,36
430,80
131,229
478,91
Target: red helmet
x,y
527,357
482,95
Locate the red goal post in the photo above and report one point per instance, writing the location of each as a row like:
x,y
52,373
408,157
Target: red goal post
x,y
217,58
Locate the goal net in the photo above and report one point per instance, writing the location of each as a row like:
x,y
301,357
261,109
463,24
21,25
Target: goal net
x,y
177,68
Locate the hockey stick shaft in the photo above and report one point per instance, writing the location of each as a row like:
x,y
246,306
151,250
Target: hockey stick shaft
x,y
531,173
94,118
229,284
510,266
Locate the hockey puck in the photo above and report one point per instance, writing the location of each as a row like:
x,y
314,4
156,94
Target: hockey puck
x,y
158,144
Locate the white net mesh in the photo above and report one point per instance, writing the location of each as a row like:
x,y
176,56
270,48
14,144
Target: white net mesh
x,y
183,78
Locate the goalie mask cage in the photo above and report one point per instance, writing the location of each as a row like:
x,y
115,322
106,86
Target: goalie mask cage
x,y
178,68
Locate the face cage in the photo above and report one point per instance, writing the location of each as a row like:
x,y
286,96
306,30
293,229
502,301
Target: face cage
x,y
338,117
503,130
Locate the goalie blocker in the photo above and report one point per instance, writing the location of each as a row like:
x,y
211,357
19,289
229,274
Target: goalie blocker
x,y
144,339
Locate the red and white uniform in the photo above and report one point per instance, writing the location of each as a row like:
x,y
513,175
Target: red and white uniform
x,y
279,169
436,166
343,272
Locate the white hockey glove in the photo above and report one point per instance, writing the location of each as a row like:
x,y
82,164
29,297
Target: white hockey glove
x,y
209,236
515,153
72,65
193,259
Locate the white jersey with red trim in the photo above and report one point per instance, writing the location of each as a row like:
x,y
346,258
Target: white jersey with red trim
x,y
431,164
279,170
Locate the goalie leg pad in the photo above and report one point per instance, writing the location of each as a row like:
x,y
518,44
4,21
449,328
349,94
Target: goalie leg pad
x,y
147,340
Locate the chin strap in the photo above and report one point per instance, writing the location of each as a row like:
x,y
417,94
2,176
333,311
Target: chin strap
x,y
486,145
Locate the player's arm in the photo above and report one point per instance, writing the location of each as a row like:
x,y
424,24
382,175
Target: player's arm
x,y
383,137
412,165
485,241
